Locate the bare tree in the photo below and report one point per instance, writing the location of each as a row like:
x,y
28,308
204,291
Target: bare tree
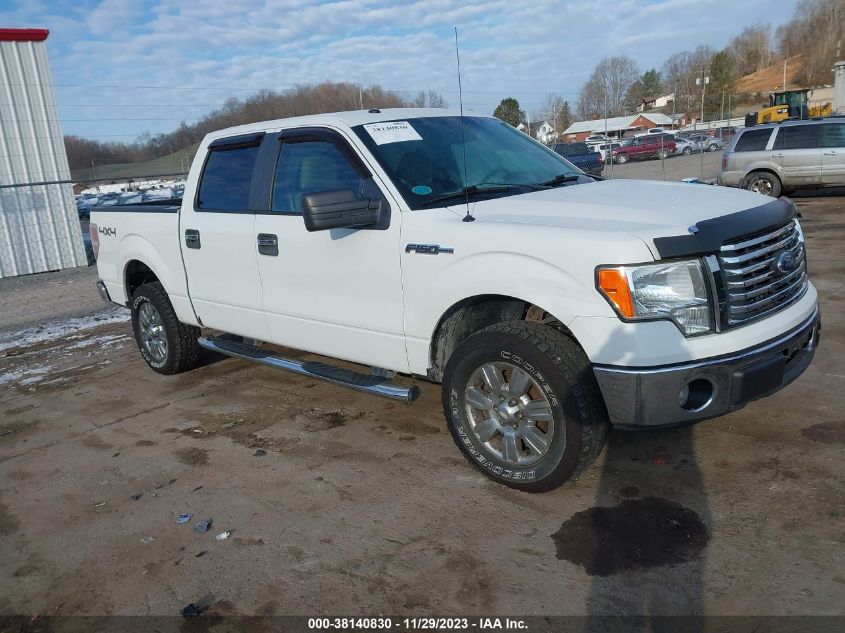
x,y
260,106
680,72
752,49
611,79
555,110
816,31
430,99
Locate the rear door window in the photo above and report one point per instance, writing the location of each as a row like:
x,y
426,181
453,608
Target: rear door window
x,y
753,140
226,179
833,135
797,137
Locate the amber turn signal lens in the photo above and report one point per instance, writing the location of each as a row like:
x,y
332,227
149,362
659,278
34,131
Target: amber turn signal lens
x,y
614,284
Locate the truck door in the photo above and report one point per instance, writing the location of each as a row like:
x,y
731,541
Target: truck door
x,y
796,150
217,229
336,292
833,153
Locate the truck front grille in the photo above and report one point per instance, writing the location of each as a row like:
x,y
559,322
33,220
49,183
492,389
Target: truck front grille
x,y
762,273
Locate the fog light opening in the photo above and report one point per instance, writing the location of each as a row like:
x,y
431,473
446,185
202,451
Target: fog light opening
x,y
696,395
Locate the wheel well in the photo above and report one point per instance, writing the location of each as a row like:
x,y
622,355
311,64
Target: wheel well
x,y
761,170
137,273
473,314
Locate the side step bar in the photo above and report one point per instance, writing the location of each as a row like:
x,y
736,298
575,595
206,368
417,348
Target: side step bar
x,y
376,385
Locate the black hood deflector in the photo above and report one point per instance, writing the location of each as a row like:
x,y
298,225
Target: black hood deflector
x,y
711,234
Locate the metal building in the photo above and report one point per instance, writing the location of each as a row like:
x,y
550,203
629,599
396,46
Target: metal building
x,y
39,226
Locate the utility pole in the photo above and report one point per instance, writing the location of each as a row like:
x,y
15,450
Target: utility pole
x,y
702,81
784,75
361,97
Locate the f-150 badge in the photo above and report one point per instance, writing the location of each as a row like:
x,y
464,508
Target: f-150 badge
x,y
428,249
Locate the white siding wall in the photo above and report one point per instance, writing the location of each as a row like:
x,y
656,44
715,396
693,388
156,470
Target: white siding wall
x,y
39,228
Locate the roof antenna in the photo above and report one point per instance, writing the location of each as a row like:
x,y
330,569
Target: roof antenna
x,y
468,217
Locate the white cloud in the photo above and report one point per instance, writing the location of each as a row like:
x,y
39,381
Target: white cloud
x,y
202,52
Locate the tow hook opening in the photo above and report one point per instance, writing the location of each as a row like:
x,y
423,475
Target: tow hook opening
x,y
696,395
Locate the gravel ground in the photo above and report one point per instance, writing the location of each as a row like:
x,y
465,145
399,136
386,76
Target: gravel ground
x,y
339,502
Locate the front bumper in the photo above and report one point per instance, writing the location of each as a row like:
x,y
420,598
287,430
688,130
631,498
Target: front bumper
x,y
649,396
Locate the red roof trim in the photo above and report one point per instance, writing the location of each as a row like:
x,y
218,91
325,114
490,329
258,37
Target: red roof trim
x,y
23,35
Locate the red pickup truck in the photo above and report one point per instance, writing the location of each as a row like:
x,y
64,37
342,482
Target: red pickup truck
x,y
650,146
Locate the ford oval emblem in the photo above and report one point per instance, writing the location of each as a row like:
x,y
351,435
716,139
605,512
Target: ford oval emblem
x,y
786,263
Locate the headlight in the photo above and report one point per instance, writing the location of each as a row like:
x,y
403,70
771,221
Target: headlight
x,y
673,290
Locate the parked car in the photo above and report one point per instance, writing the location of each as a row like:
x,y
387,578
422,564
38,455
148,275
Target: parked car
x,y
642,147
606,147
584,157
685,146
563,306
707,143
777,157
654,130
596,138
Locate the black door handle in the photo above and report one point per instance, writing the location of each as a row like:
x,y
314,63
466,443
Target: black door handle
x,y
192,238
268,244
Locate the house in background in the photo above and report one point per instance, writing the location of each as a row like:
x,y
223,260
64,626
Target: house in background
x,y
616,127
543,131
652,103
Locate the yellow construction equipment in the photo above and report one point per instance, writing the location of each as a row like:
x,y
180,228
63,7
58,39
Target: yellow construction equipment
x,y
789,104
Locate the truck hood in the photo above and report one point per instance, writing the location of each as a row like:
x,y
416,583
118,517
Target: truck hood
x,y
642,208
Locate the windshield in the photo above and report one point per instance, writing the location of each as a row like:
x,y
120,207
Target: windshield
x,y
424,157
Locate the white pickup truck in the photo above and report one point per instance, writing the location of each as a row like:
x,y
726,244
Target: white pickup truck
x,y
551,305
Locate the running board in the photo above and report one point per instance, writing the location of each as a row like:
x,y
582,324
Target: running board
x,y
376,385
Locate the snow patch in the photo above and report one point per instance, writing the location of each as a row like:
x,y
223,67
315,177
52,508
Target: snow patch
x,y
62,329
26,376
107,340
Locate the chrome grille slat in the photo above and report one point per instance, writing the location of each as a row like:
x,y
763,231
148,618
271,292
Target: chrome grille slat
x,y
771,248
753,285
766,263
766,288
757,240
753,305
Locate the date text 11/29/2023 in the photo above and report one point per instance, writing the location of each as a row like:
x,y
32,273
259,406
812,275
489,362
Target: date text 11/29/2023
x,y
416,624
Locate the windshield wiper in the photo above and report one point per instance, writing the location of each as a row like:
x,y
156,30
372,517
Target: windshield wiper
x,y
561,179
468,192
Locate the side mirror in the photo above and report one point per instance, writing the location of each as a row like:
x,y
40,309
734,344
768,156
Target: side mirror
x,y
339,209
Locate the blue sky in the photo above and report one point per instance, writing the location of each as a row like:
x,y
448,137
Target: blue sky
x,y
122,67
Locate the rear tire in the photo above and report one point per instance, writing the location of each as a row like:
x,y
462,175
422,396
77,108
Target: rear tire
x,y
166,344
763,182
713,147
523,405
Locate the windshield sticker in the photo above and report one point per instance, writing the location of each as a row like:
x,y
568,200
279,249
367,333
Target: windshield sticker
x,y
392,132
421,190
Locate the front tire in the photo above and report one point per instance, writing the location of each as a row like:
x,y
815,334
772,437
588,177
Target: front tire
x,y
713,147
523,405
763,182
621,159
686,151
166,344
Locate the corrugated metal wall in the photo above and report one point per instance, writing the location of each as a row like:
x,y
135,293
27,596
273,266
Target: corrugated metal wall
x,y
39,226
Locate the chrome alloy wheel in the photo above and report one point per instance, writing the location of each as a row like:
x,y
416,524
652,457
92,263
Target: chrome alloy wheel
x,y
761,185
509,413
153,337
